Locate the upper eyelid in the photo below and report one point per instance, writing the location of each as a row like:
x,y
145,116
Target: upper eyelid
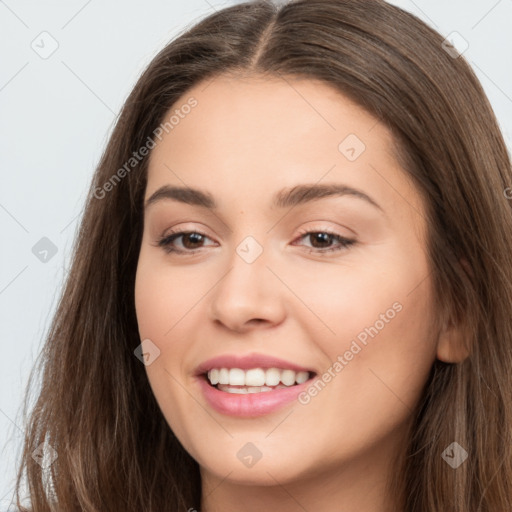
x,y
302,233
314,229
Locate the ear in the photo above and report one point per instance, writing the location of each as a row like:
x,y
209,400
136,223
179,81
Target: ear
x,y
453,341
452,344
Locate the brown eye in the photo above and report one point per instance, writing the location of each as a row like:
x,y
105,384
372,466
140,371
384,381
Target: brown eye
x,y
190,242
322,241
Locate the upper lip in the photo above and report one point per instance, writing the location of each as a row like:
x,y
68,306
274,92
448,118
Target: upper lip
x,y
247,362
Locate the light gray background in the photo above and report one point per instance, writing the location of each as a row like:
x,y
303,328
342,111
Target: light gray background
x,y
56,115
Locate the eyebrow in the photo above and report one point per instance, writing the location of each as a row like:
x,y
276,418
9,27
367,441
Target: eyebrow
x,y
286,198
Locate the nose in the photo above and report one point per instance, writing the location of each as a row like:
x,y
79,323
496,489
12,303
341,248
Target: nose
x,y
249,295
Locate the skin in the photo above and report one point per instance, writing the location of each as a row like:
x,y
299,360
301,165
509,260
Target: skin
x,y
245,140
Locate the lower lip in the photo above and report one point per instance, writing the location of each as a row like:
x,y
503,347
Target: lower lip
x,y
249,404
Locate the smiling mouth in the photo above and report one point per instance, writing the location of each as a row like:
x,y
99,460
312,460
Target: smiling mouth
x,y
255,380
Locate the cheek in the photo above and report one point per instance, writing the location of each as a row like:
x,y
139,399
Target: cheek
x,y
375,373
163,307
374,326
165,295
163,302
382,355
153,303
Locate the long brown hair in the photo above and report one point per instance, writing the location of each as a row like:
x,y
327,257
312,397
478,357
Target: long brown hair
x,y
95,408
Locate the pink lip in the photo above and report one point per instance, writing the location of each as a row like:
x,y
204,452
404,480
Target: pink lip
x,y
250,404
247,362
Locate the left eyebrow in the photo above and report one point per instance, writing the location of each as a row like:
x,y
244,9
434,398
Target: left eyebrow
x,y
285,198
301,194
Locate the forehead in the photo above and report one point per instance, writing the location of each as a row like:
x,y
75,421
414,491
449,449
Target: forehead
x,y
271,115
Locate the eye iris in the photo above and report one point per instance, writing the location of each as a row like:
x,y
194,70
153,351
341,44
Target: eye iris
x,y
195,237
324,238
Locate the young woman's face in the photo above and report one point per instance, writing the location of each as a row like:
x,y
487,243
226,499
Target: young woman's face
x,y
271,275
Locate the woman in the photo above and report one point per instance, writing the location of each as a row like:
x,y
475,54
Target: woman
x,y
292,284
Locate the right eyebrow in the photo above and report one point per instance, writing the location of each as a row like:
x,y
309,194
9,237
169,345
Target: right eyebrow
x,y
185,195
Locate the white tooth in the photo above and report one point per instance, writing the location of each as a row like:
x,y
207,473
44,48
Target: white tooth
x,y
272,377
213,375
288,377
245,390
223,376
236,377
258,389
239,391
301,377
255,377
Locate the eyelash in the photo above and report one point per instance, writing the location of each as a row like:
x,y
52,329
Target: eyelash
x,y
166,241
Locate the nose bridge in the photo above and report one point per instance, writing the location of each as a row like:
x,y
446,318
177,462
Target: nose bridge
x,y
249,290
248,268
250,250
